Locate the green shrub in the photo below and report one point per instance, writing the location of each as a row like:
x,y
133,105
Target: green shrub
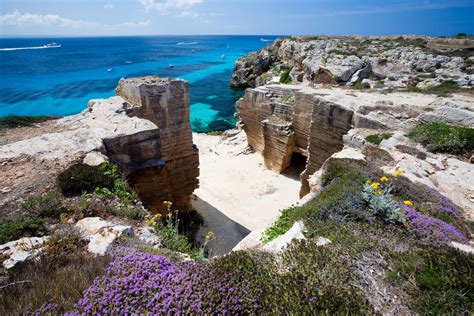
x,y
46,205
439,280
120,187
440,137
128,212
357,86
317,280
167,228
285,77
376,139
26,227
281,226
340,199
82,178
381,203
15,121
444,89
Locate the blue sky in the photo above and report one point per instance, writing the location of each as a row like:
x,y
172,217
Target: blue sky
x,y
281,17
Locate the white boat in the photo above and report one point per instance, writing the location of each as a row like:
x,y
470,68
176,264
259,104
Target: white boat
x,y
264,40
110,69
171,66
128,62
223,56
52,45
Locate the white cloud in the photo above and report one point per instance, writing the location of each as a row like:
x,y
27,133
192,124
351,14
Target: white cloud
x,y
17,18
191,14
133,24
108,6
54,24
169,6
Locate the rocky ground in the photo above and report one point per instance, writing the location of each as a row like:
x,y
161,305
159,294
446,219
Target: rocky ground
x,y
382,63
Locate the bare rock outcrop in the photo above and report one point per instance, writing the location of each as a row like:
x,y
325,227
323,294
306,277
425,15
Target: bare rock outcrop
x,y
386,62
145,130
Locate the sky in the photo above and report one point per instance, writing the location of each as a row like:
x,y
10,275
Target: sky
x,y
278,17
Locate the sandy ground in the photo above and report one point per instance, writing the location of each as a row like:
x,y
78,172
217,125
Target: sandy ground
x,y
237,194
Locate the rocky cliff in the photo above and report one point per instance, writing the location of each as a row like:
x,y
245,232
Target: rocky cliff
x,y
371,62
145,130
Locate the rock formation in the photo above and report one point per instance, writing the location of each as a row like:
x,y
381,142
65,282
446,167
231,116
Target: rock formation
x,y
377,62
168,170
145,130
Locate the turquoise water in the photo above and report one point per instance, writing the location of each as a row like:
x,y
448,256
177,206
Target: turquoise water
x,y
60,81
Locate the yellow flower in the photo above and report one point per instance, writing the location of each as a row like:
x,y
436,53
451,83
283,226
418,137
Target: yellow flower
x,y
375,185
407,202
397,173
210,235
378,192
384,179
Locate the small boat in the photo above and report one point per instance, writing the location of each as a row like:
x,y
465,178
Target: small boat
x,y
264,40
128,62
111,70
171,66
52,45
223,56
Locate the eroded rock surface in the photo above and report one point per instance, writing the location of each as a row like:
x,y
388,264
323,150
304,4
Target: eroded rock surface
x,y
375,62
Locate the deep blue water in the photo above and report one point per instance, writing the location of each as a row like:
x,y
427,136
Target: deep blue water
x,y
60,81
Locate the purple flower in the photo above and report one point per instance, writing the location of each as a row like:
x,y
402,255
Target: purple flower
x,y
430,229
143,283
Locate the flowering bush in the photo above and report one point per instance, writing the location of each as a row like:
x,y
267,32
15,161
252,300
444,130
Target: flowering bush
x,y
380,201
167,228
143,283
430,229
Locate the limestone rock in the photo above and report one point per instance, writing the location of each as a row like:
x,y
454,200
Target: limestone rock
x,y
280,243
162,165
100,233
463,247
405,60
148,236
251,241
94,159
20,250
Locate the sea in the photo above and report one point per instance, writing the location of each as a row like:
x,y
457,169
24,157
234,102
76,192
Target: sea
x,y
56,81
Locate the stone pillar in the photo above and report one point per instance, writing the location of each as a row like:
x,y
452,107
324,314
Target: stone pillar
x,y
164,167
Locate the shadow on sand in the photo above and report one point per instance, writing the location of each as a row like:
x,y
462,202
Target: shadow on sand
x,y
228,233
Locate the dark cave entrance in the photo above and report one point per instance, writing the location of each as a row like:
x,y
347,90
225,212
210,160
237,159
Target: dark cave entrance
x,y
297,166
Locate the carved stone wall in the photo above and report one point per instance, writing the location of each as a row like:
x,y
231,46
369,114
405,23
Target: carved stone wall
x,y
282,120
163,166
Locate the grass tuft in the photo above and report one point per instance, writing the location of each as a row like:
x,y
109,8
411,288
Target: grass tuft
x,y
440,137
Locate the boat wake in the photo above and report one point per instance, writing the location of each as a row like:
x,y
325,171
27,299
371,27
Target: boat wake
x,y
52,45
186,43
